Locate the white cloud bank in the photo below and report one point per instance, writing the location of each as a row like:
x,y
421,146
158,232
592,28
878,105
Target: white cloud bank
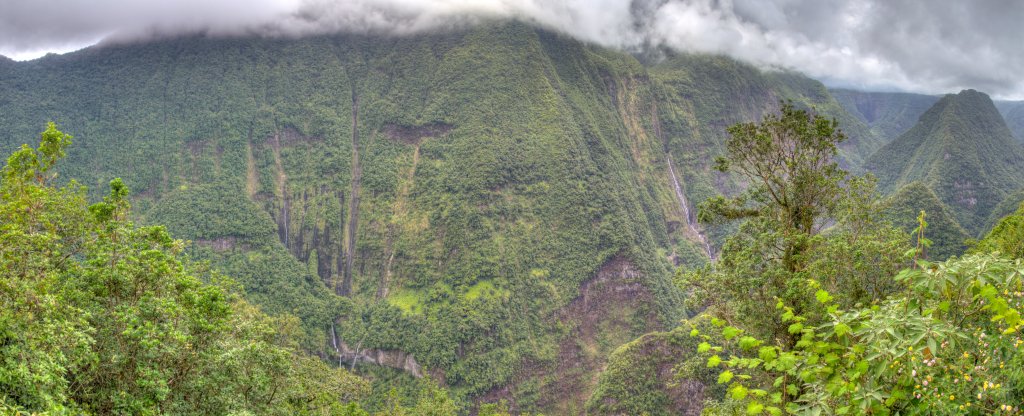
x,y
928,46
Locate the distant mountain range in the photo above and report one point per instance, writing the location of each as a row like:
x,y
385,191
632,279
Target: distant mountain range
x,y
890,114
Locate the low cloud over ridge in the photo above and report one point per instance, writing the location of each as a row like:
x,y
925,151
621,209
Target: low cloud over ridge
x,y
927,46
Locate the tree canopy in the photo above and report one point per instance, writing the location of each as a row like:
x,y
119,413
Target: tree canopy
x,y
796,191
100,316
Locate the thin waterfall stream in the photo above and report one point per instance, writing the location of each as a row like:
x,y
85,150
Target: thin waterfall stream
x,y
691,220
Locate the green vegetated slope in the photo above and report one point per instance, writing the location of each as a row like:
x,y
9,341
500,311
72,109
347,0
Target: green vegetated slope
x,y
656,374
1013,113
705,94
1008,206
490,206
946,234
888,114
962,150
1006,236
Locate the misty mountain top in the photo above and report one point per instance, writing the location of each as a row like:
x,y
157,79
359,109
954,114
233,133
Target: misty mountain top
x,y
918,46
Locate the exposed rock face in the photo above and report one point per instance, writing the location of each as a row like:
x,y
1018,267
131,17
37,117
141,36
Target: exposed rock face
x,y
290,137
388,358
414,134
220,244
696,231
300,210
618,281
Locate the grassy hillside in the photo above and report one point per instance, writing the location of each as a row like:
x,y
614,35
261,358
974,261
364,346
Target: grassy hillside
x,y
963,151
888,114
447,204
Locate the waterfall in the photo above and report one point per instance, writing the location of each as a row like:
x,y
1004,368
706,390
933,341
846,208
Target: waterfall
x,y
691,220
334,342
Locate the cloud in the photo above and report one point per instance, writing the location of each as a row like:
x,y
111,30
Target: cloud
x,y
29,27
929,46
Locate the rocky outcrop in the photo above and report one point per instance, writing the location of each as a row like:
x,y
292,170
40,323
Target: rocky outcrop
x,y
221,244
388,358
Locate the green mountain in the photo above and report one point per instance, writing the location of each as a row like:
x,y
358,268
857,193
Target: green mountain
x,y
946,234
1013,113
887,114
962,150
498,207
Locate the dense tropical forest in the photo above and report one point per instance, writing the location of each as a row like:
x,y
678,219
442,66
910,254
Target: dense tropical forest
x,y
496,220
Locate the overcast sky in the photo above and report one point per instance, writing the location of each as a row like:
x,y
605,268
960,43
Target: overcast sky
x,y
927,46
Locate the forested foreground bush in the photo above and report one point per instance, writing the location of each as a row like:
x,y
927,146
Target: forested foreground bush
x,y
100,316
810,314
949,344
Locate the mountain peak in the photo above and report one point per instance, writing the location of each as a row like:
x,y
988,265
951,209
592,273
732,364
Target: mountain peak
x,y
974,97
962,150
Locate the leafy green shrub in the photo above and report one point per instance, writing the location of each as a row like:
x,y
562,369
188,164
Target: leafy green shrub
x,y
949,345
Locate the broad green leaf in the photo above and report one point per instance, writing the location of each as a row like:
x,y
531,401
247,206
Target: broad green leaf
x,y
748,343
730,332
738,392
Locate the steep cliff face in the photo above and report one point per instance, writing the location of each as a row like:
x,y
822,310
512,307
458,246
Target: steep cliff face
x,y
451,200
457,188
